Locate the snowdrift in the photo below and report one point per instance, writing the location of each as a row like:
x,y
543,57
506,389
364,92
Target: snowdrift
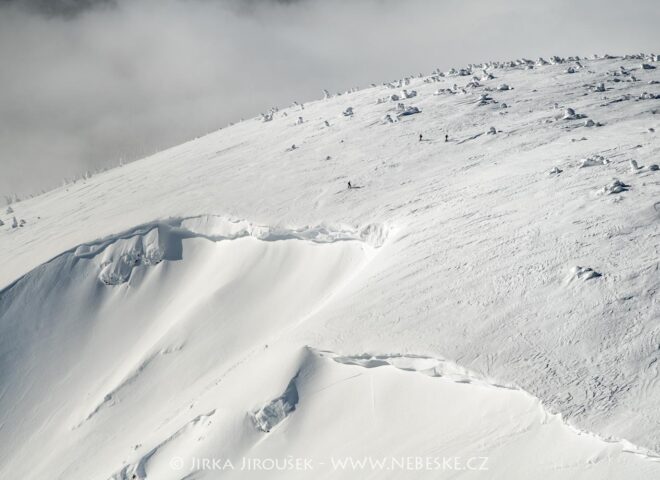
x,y
339,416
145,317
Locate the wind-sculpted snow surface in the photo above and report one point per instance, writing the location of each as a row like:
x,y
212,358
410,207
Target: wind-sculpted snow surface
x,y
343,415
150,244
503,218
156,310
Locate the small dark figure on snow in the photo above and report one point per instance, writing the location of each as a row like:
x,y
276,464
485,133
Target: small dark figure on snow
x,y
420,137
446,138
350,185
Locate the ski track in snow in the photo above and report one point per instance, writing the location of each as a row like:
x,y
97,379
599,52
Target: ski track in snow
x,y
464,249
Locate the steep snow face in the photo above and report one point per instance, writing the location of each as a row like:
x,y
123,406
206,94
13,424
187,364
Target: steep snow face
x,y
165,307
345,417
183,337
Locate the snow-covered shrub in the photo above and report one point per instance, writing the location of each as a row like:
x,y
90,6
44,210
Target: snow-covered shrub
x,y
569,114
503,87
484,99
408,111
616,186
582,273
593,161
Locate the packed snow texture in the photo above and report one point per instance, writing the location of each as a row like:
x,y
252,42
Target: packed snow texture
x,y
230,297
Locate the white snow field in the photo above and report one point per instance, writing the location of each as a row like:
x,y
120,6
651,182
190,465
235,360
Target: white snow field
x,y
481,307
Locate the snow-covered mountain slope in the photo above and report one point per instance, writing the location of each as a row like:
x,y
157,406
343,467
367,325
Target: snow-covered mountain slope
x,y
490,296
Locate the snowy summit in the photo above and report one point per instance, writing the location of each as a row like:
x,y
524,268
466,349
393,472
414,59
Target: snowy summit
x,y
451,275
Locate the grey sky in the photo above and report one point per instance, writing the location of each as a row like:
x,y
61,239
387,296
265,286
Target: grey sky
x,y
84,83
